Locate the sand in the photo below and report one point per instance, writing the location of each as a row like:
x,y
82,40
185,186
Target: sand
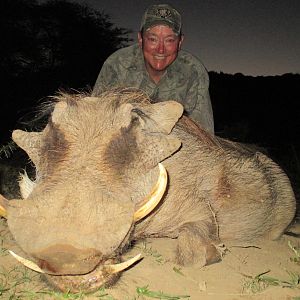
x,y
235,277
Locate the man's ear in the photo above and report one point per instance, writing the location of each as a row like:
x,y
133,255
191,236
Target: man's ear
x,y
181,41
140,39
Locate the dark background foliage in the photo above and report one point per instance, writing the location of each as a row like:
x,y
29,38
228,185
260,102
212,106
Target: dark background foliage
x,y
62,45
49,46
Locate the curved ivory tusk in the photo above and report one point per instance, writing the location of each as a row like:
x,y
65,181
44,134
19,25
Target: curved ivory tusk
x,y
3,212
111,269
27,263
3,205
154,197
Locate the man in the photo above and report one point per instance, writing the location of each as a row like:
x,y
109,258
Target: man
x,y
159,67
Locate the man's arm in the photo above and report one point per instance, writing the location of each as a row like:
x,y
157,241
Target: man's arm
x,y
198,102
107,78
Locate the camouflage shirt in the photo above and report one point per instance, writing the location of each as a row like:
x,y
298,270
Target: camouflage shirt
x,y
186,81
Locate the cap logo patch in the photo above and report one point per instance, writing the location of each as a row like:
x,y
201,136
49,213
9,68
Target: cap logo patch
x,y
163,13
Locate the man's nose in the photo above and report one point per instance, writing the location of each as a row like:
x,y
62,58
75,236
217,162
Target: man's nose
x,y
161,47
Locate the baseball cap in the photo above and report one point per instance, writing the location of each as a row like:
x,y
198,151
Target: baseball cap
x,y
162,14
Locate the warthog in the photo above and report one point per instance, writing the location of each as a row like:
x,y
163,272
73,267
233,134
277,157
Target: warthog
x,y
97,161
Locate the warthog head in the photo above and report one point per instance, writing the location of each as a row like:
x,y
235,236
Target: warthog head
x,y
97,162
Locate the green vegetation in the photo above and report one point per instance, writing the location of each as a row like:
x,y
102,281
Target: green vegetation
x,y
149,251
16,283
262,281
101,294
178,271
296,251
158,295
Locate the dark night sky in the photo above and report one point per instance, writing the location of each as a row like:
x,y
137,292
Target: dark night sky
x,y
253,37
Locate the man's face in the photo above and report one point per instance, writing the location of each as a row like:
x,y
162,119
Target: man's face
x,y
160,47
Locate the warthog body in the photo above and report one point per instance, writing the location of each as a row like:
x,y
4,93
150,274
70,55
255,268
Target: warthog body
x,y
97,159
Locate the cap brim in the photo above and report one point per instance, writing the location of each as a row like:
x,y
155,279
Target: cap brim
x,y
160,22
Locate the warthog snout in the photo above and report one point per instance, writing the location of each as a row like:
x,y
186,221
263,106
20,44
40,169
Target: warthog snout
x,y
63,259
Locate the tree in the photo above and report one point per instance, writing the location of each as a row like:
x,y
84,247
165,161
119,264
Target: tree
x,y
48,46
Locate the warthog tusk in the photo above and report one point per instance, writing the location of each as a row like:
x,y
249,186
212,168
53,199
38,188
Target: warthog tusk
x,y
3,205
27,263
3,212
111,269
98,277
154,197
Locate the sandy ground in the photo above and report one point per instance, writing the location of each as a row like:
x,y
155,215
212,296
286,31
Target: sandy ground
x,y
233,278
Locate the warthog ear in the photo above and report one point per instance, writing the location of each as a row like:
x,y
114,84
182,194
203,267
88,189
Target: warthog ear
x,y
157,121
161,117
166,114
59,108
30,142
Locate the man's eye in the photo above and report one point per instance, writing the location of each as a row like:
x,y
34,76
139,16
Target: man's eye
x,y
170,40
152,39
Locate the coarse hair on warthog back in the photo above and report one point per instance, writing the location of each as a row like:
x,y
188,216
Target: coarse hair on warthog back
x,y
97,162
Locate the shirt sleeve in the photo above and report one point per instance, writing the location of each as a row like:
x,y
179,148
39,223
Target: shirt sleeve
x,y
199,106
107,78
